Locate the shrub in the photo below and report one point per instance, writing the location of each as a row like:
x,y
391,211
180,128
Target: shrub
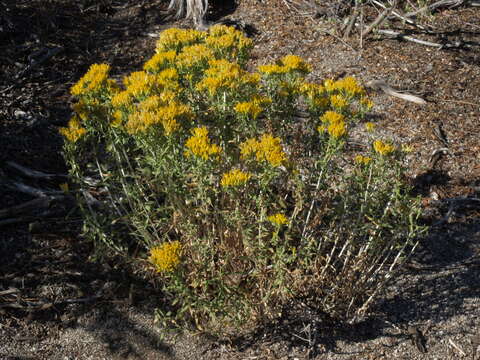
x,y
204,170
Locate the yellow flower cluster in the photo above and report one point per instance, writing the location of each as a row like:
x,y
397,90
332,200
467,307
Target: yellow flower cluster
x,y
278,219
383,148
226,40
369,126
348,86
335,124
272,69
331,117
160,61
268,149
253,108
235,177
366,103
161,109
248,108
223,74
194,55
175,39
94,80
338,101
199,144
315,94
166,257
295,63
74,131
288,64
140,83
364,160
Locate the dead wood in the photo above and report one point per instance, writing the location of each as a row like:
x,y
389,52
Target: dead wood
x,y
387,89
436,5
34,174
379,20
400,36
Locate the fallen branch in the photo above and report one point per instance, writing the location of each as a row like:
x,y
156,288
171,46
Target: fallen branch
x,y
400,16
49,54
398,35
30,190
387,89
441,3
28,207
354,17
380,19
34,174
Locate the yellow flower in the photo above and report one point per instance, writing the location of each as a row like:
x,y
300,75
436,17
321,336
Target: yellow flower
x,y
278,219
93,80
338,101
329,85
81,110
122,98
331,117
369,126
364,160
194,55
235,177
350,86
366,102
175,39
160,61
337,129
383,148
295,63
311,90
199,144
117,118
248,148
407,148
268,149
74,131
155,110
248,108
166,257
321,129
272,69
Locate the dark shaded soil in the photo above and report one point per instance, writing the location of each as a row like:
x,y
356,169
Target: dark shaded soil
x,y
65,305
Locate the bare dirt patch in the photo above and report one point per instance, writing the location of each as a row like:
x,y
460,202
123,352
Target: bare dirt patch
x,y
64,305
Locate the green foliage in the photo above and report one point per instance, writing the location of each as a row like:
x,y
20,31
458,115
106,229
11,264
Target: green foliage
x,y
233,203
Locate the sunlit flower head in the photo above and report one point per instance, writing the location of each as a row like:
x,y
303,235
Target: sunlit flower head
x,y
337,129
295,63
92,81
338,101
383,148
363,160
175,39
349,86
160,61
166,257
235,177
194,55
366,103
278,219
370,126
268,149
199,144
331,117
272,69
250,109
74,131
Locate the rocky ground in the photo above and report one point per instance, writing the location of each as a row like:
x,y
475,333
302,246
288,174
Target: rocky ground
x,y
56,302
